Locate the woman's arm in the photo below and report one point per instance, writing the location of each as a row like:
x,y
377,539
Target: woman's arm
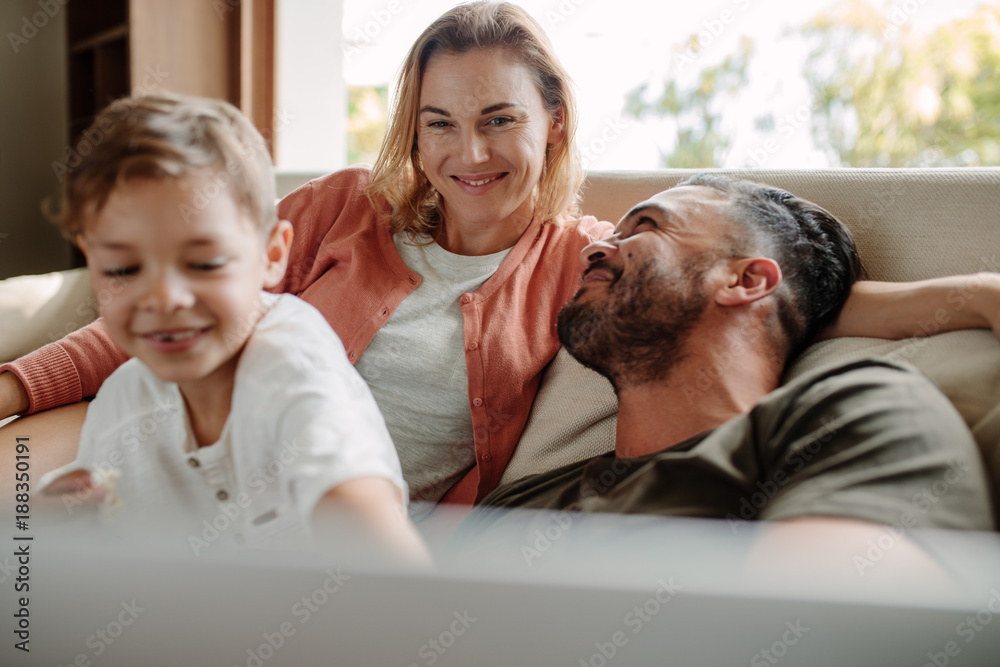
x,y
13,396
922,308
59,373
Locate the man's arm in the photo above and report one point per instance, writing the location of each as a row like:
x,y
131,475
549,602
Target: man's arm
x,y
903,310
838,550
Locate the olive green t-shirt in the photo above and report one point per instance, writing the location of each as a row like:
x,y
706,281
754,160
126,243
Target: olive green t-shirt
x,y
869,440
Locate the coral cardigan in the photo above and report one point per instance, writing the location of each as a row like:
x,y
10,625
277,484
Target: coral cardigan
x,y
344,263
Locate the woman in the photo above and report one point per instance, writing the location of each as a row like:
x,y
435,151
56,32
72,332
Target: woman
x,y
443,268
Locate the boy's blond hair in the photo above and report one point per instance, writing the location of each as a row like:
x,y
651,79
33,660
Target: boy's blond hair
x,y
166,135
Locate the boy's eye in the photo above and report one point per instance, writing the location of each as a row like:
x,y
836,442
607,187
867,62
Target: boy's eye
x,y
212,265
121,271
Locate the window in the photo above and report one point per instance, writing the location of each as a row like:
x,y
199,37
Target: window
x,y
723,83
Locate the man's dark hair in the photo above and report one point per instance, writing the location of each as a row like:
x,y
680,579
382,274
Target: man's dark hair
x,y
816,252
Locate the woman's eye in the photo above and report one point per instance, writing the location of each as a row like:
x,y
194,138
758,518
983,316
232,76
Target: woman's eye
x,y
121,271
438,124
500,121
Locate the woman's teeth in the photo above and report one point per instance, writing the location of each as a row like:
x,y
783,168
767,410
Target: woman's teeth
x,y
482,182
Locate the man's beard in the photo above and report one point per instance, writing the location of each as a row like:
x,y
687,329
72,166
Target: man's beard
x,y
638,332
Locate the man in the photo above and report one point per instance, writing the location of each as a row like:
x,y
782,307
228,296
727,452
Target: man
x,y
692,310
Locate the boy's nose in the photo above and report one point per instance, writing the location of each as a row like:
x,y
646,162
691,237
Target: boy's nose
x,y
166,293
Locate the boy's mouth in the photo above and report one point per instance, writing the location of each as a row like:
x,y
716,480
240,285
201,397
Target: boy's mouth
x,y
175,336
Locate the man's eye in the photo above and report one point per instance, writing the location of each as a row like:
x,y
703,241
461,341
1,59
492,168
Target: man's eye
x,y
121,271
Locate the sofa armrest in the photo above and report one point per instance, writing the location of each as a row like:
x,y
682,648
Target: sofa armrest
x,y
39,309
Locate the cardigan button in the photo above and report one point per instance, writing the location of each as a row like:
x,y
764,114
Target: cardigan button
x,y
193,462
477,402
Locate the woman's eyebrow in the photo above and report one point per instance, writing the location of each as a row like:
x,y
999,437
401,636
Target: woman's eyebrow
x,y
498,107
429,109
490,109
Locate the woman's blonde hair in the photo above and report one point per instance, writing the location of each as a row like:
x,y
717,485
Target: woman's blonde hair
x,y
168,135
488,26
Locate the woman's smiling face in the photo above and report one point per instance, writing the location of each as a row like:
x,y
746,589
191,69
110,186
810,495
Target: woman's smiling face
x,y
482,135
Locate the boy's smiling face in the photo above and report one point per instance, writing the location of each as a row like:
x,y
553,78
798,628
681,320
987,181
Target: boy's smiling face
x,y
178,275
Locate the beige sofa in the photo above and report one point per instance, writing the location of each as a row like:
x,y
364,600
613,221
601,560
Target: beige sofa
x,y
909,224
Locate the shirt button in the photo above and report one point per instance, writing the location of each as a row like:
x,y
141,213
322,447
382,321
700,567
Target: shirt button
x,y
222,495
477,402
473,346
466,298
487,457
353,354
193,462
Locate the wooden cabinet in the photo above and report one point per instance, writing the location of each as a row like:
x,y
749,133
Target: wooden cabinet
x,y
214,48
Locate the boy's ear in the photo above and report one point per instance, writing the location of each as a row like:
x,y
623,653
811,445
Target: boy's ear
x,y
749,279
276,253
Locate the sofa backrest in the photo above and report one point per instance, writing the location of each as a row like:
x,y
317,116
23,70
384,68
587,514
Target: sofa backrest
x,y
909,224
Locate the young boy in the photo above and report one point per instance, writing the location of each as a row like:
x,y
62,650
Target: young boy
x,y
237,402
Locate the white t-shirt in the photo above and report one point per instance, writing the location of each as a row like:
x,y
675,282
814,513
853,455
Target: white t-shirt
x,y
415,366
301,422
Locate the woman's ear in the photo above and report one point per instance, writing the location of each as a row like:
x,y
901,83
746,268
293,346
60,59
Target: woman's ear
x,y
276,253
749,280
557,131
81,244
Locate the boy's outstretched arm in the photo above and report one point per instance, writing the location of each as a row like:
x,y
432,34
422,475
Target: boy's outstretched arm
x,y
370,509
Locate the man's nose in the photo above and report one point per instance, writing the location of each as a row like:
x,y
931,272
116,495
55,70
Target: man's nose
x,y
597,251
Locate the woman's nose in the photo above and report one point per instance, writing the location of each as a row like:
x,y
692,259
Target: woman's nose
x,y
475,148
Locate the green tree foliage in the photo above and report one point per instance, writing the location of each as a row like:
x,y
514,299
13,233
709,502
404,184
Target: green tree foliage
x,y
698,110
366,118
885,95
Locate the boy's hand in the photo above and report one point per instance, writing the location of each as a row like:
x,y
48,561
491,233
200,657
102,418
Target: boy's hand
x,y
79,483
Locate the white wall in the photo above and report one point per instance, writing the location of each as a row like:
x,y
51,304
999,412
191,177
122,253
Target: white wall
x,y
33,133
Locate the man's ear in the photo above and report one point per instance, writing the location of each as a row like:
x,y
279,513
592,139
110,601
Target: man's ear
x,y
276,252
749,280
